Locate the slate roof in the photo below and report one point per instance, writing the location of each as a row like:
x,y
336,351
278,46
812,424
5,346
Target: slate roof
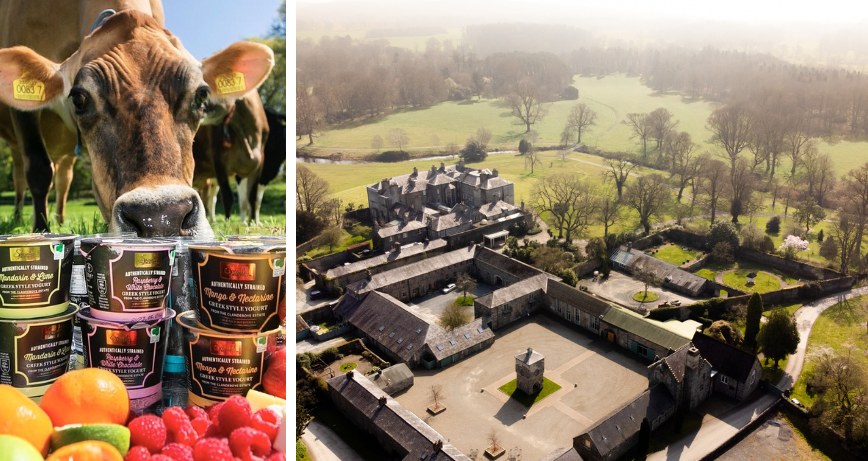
x,y
529,359
346,306
514,291
423,175
577,298
393,377
509,265
415,269
438,336
458,217
390,323
473,179
397,422
406,251
496,208
300,324
563,454
677,361
652,330
613,429
634,260
400,228
728,360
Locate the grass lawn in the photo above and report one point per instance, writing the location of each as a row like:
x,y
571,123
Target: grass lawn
x,y
839,328
790,306
771,373
763,282
511,389
465,300
720,266
301,451
355,234
325,326
706,274
676,255
345,367
645,296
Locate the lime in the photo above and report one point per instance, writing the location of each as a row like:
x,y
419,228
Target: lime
x,y
14,448
113,434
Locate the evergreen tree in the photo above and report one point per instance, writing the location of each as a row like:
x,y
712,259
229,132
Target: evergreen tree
x,y
780,336
752,323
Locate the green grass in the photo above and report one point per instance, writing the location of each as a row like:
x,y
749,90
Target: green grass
x,y
838,329
355,234
345,367
790,306
645,296
771,373
511,389
706,274
763,282
720,266
325,327
301,451
465,300
676,255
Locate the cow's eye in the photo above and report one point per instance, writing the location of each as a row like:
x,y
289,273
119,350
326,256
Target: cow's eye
x,y
201,97
79,100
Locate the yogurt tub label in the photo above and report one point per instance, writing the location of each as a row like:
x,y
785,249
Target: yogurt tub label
x,y
30,276
239,293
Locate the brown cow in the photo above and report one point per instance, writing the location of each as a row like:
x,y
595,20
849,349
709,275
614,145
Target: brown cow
x,y
232,147
132,92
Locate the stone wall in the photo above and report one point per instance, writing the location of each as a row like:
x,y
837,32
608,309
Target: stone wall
x,y
793,267
498,317
652,240
474,235
810,290
319,314
300,250
324,263
587,267
697,264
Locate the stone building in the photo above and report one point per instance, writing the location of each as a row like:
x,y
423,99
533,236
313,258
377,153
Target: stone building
x,y
686,374
529,368
648,338
506,305
576,306
736,373
631,260
497,269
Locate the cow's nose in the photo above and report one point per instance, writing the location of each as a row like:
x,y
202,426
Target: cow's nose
x,y
158,218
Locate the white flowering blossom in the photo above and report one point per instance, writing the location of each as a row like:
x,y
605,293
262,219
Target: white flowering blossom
x,y
796,243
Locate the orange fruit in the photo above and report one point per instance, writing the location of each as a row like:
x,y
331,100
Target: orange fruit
x,y
87,396
19,416
89,450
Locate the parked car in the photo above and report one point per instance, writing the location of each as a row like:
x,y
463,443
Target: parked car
x,y
675,302
316,294
449,288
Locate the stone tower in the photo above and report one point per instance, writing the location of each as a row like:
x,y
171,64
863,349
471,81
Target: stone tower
x,y
529,367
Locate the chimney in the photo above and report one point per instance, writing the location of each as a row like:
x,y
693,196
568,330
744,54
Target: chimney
x,y
442,166
396,247
350,374
483,177
384,184
438,445
382,401
692,358
461,165
522,205
494,173
417,203
368,272
415,171
433,170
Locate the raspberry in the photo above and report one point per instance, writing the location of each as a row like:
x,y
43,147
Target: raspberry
x,y
234,414
213,410
266,420
174,417
161,458
185,434
249,444
214,428
138,454
194,412
277,456
201,425
178,452
212,449
148,431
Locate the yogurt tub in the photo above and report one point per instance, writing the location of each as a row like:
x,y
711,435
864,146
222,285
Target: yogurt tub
x,y
35,352
132,351
35,270
220,365
239,284
127,279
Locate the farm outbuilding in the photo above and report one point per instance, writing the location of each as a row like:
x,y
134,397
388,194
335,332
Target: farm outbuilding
x,y
632,260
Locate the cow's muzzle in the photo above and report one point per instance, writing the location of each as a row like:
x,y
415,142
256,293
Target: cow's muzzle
x,y
162,211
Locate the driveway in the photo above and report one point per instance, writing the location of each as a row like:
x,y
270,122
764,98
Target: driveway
x,y
303,303
431,306
312,345
324,445
620,288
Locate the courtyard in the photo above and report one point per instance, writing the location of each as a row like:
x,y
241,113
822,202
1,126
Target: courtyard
x,y
620,287
596,377
432,305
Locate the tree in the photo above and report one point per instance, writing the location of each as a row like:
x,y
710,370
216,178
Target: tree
x,y
842,386
483,136
307,226
773,226
310,189
681,211
854,188
436,393
647,277
829,249
526,104
731,126
308,116
272,91
478,84
332,237
581,117
465,283
377,142
810,213
532,158
845,231
817,174
523,146
722,251
752,236
548,259
302,417
474,151
724,331
568,199
454,316
608,211
619,171
452,149
661,125
686,163
768,245
647,196
494,439
722,231
752,322
713,183
820,236
741,188
780,336
398,138
640,127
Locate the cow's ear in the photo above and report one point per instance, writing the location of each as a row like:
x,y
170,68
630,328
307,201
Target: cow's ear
x,y
27,80
238,69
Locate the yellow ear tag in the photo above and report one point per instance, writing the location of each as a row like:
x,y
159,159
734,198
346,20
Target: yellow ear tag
x,y
26,89
230,82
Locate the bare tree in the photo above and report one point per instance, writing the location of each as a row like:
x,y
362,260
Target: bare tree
x,y
647,277
436,393
398,138
619,171
452,149
555,195
854,191
686,161
647,195
581,117
532,158
310,189
526,104
843,389
465,282
713,183
308,116
741,187
732,127
796,137
582,209
770,131
483,136
377,142
454,316
494,439
608,211
661,124
640,127
817,174
846,231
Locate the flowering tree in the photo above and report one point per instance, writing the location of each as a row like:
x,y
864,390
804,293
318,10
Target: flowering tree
x,y
791,245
